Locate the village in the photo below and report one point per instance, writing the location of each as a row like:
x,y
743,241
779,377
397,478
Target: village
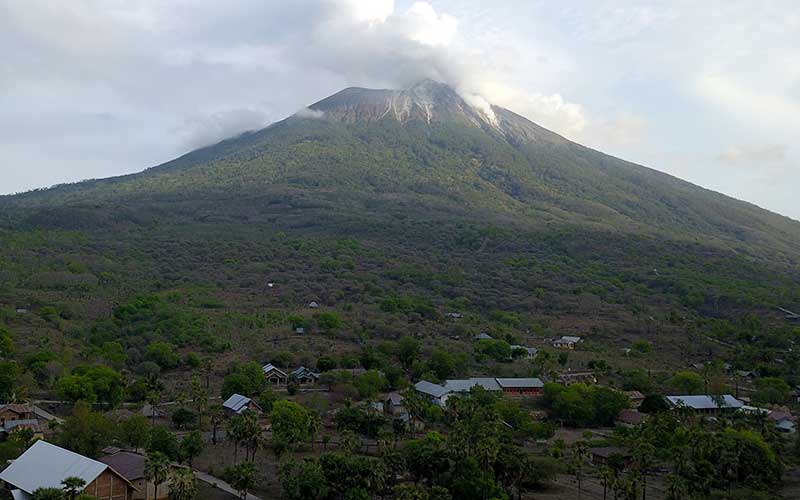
x,y
236,446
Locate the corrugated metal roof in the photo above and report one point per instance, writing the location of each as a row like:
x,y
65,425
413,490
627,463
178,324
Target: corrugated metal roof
x,y
705,402
45,465
270,367
465,385
520,383
430,389
236,402
569,339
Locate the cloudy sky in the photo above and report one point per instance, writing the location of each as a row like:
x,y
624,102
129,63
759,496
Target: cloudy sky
x,y
708,91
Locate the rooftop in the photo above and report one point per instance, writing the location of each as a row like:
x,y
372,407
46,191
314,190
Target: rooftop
x,y
430,389
45,465
236,402
519,383
705,402
129,465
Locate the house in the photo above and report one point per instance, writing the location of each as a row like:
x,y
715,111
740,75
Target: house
x,y
438,394
521,386
629,418
304,376
582,377
609,455
566,342
705,404
9,427
636,398
464,386
745,374
131,466
15,411
530,352
784,421
274,375
45,465
151,411
435,393
483,336
453,315
313,305
394,404
238,404
300,330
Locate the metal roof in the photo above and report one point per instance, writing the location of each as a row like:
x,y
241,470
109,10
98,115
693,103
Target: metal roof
x,y
705,402
236,402
569,339
11,424
270,367
129,465
465,385
430,389
45,465
520,383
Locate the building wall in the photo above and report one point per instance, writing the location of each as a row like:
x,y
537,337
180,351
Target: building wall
x,y
7,414
523,391
109,486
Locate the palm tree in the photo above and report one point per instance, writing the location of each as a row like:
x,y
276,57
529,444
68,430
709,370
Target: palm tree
x,y
234,432
216,414
72,486
250,433
182,485
314,424
156,469
244,477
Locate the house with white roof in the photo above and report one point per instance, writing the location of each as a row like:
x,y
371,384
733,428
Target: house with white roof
x,y
705,404
274,375
238,404
46,465
434,392
566,342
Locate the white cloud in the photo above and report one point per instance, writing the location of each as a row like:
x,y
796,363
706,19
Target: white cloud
x,y
205,130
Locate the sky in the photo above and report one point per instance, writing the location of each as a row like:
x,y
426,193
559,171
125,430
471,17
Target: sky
x,y
707,91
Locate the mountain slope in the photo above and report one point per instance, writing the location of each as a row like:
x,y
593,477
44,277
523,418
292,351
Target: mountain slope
x,y
373,196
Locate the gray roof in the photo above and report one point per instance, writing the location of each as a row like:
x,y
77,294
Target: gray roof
x,y
270,367
520,383
304,372
395,398
569,339
465,385
45,465
11,424
705,402
430,389
236,402
483,336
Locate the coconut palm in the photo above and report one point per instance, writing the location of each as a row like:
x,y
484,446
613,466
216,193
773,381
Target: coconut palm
x,y
72,486
156,469
182,485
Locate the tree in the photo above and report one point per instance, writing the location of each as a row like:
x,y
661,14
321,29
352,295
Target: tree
x,y
325,363
303,480
771,390
134,431
687,383
200,398
163,354
92,383
156,469
85,432
182,485
8,379
580,453
48,494
242,477
407,351
370,383
191,446
163,442
184,418
6,343
72,486
289,423
246,379
328,321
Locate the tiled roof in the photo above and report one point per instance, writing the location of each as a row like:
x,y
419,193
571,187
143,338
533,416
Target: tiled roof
x,y
129,465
